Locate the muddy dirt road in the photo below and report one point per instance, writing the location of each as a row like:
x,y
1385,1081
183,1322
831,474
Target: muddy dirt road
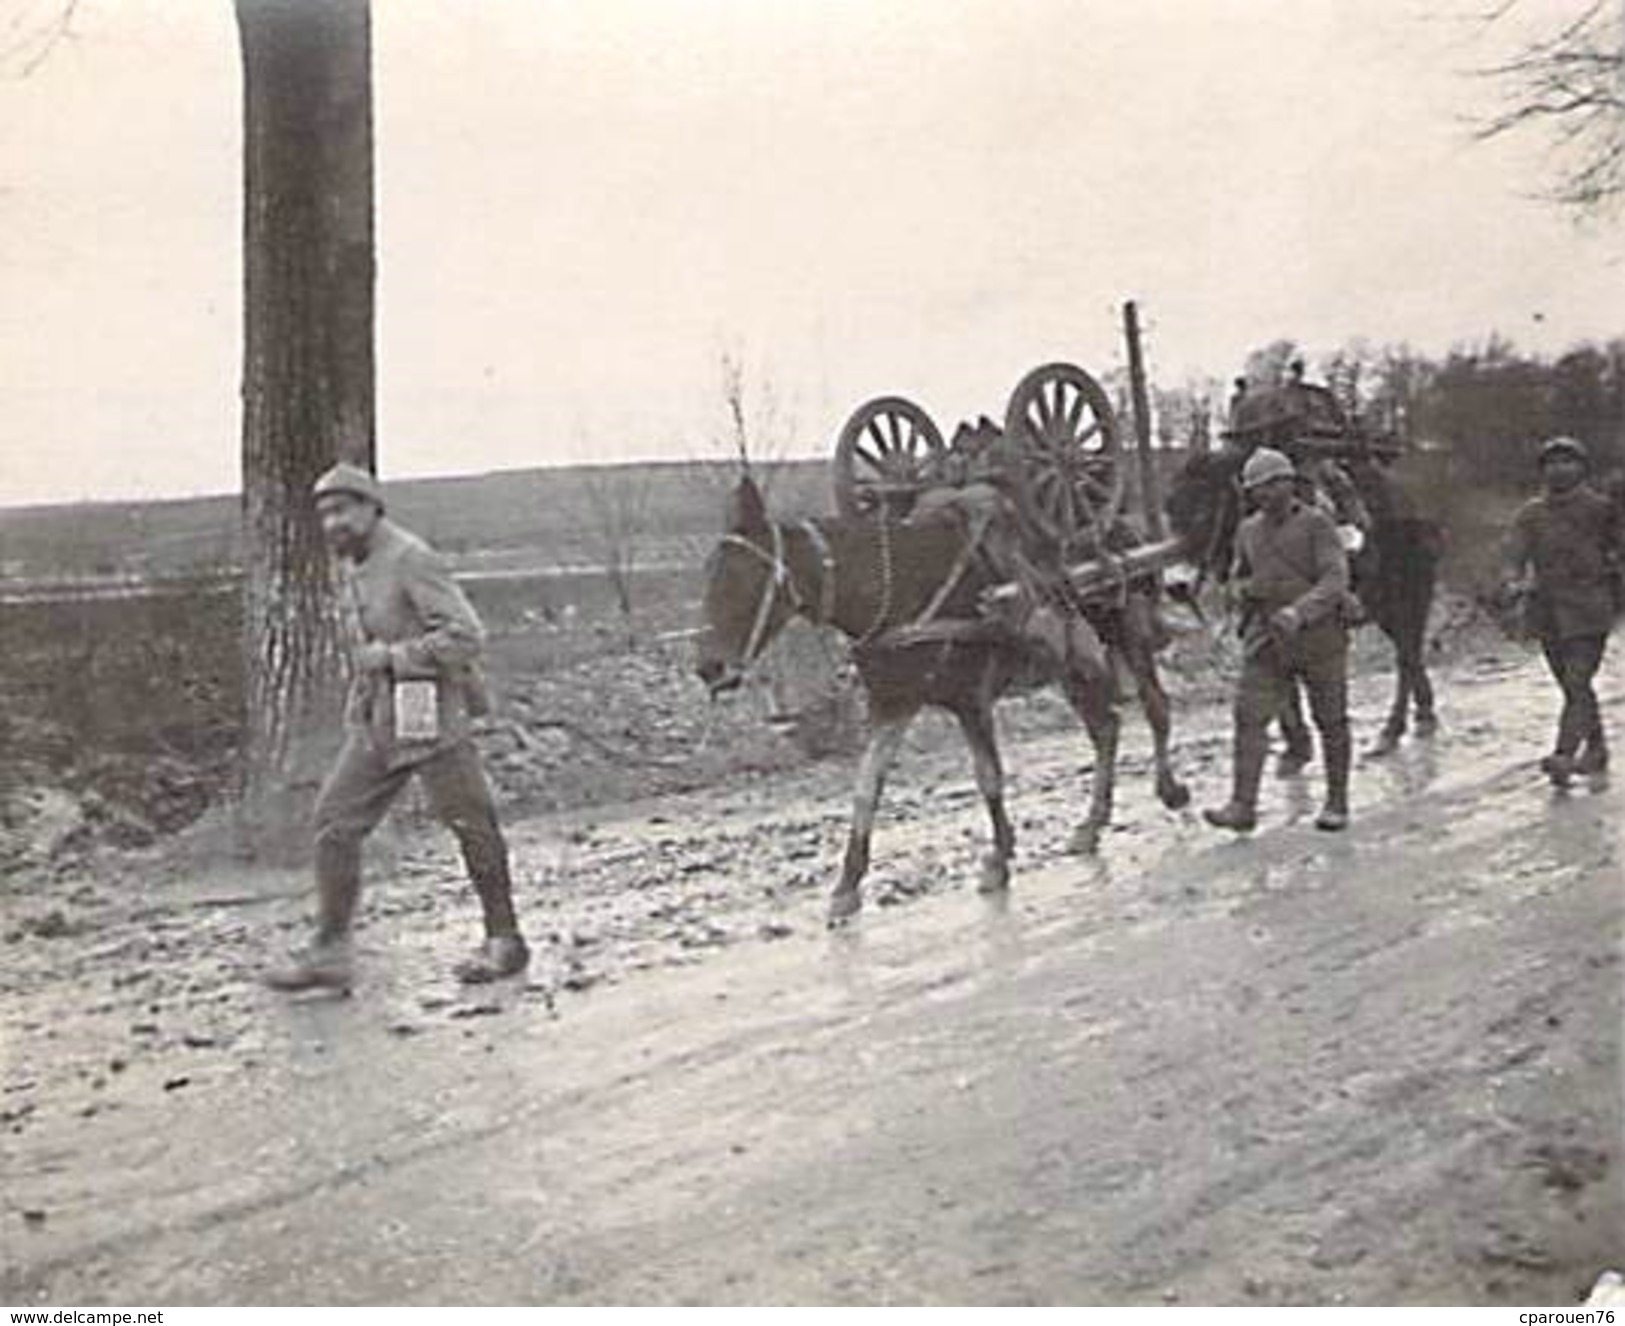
x,y
1382,1067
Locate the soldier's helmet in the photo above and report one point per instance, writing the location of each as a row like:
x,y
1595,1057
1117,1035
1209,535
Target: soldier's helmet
x,y
1571,447
1263,465
350,479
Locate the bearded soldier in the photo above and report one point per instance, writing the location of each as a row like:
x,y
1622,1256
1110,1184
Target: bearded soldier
x,y
415,644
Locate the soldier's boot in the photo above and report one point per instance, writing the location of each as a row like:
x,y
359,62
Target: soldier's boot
x,y
1593,757
1559,768
326,963
1338,750
1241,814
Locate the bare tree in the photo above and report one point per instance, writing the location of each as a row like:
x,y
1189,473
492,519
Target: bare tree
x,y
753,434
1184,414
308,376
618,510
1570,85
757,430
31,31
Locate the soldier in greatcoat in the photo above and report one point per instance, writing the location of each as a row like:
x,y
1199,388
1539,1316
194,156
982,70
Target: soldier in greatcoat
x,y
1564,556
1292,578
415,644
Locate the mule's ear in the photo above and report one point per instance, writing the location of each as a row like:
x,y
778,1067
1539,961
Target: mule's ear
x,y
747,513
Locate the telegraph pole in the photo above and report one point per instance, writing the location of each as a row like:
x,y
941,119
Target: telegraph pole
x,y
1150,487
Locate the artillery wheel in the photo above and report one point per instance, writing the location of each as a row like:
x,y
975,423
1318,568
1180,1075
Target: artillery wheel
x,y
888,454
1070,481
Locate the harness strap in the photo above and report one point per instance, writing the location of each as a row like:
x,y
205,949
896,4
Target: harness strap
x,y
967,553
779,578
826,564
782,578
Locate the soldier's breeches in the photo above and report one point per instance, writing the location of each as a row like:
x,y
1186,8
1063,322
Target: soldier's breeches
x,y
1265,689
1265,692
462,800
1574,662
355,797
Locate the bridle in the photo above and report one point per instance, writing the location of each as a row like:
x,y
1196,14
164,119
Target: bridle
x,y
781,579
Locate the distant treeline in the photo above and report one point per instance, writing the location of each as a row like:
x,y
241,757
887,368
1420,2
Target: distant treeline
x,y
1492,406
1489,405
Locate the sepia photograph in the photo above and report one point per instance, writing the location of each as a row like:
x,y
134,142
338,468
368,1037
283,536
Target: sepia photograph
x,y
866,653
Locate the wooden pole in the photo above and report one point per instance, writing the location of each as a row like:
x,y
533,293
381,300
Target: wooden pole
x,y
1150,488
1106,573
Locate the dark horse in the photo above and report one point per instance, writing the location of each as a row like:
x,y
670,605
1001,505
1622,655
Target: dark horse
x,y
1394,574
867,576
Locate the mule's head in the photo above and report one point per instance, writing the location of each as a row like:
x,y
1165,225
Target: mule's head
x,y
1204,507
749,595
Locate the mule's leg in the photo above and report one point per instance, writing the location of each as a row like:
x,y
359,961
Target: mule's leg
x,y
976,722
1427,721
1090,693
884,739
1393,727
1154,702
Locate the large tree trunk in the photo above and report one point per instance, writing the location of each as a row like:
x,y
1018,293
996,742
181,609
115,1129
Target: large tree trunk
x,y
307,379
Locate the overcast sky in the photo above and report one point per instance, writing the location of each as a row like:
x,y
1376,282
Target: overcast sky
x,y
583,206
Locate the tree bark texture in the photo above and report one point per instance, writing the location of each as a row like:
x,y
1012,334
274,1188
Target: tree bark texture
x,y
308,379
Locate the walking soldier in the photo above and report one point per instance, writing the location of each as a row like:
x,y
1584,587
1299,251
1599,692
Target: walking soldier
x,y
1563,556
415,643
1293,580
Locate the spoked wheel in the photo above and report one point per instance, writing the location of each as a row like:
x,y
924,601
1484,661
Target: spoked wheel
x,y
888,454
1070,480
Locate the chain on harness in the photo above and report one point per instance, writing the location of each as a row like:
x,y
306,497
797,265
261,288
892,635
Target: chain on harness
x,y
884,610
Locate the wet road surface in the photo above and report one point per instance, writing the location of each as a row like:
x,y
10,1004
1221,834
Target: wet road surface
x,y
1377,1067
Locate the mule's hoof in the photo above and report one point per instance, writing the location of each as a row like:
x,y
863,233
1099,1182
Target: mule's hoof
x,y
497,957
1384,745
1236,818
995,876
1174,794
1427,725
1085,841
1333,819
843,906
1292,763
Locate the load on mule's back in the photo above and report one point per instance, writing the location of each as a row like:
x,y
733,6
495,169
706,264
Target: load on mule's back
x,y
948,569
1288,415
